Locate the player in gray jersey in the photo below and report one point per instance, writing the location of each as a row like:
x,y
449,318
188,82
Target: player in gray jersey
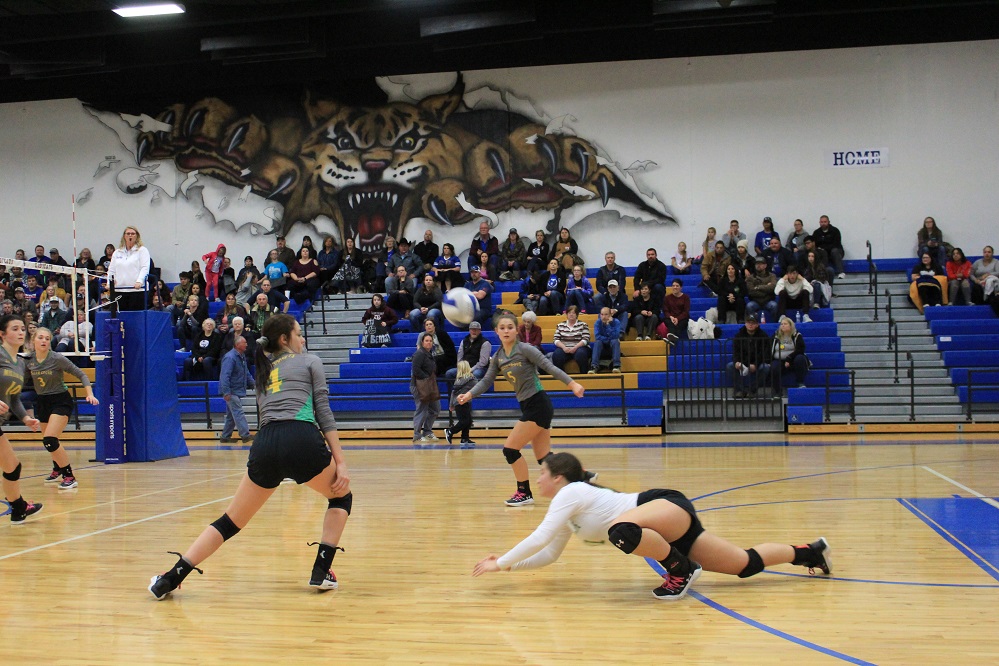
x,y
519,363
297,439
12,332
53,404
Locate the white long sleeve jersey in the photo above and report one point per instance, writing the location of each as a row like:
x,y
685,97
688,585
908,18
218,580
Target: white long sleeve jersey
x,y
587,511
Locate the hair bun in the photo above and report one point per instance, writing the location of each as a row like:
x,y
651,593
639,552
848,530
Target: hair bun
x,y
262,341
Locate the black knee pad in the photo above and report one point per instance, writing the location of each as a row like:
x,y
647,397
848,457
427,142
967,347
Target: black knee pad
x,y
511,455
344,502
541,461
226,527
15,475
755,565
625,536
50,443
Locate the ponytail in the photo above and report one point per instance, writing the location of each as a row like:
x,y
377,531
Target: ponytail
x,y
269,343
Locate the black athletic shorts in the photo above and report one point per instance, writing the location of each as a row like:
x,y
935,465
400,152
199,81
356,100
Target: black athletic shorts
x,y
60,404
686,542
287,450
538,409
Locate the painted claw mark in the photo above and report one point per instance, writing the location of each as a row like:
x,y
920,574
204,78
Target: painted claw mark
x,y
237,138
548,151
195,121
497,164
603,186
439,211
285,182
579,155
140,153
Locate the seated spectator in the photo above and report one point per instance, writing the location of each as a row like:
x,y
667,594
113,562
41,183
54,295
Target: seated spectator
x,y
761,291
763,237
643,314
489,272
708,245
178,297
23,305
7,307
566,251
680,263
676,313
617,301
444,353
197,277
156,305
54,288
227,280
512,258
350,276
959,277
930,239
731,297
818,275
985,276
552,282
57,259
161,290
483,292
793,292
329,262
484,241
447,268
828,238
229,311
475,350
78,334
406,257
378,321
399,290
528,331
730,241
54,317
275,297
246,282
572,340
788,360
276,271
653,273
105,261
531,291
796,239
579,291
285,254
427,251
779,258
606,338
928,282
750,365
427,304
260,312
382,268
537,253
189,326
32,291
743,261
303,277
801,257
714,267
238,330
205,354
609,271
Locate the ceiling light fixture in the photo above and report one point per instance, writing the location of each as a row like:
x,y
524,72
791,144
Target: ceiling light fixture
x,y
133,11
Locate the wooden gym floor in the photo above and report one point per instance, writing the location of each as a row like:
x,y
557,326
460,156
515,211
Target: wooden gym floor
x,y
914,530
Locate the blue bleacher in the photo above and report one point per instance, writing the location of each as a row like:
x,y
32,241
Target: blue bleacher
x,y
962,327
984,342
960,312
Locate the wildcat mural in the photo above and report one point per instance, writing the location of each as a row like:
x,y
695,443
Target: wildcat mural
x,y
372,169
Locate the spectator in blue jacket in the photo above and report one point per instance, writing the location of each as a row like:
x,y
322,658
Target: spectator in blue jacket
x,y
617,301
483,292
234,379
579,291
606,337
609,271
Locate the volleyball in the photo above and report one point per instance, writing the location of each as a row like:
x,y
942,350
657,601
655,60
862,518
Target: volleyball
x,y
460,306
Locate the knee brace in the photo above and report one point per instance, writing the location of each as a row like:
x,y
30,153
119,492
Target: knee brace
x,y
541,461
755,565
15,475
344,502
226,527
625,536
511,455
50,443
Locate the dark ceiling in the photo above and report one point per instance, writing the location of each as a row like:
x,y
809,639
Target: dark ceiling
x,y
79,48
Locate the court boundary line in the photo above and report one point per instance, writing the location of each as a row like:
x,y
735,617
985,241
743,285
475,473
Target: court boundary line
x,y
985,498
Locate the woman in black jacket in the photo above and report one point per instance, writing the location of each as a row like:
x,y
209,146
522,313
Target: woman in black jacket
x,y
552,290
204,360
351,272
537,253
732,296
426,410
566,250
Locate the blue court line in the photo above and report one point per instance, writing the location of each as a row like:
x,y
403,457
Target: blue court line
x,y
881,582
776,632
981,561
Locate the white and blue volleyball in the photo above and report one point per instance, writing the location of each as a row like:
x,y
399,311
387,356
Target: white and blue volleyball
x,y
460,306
